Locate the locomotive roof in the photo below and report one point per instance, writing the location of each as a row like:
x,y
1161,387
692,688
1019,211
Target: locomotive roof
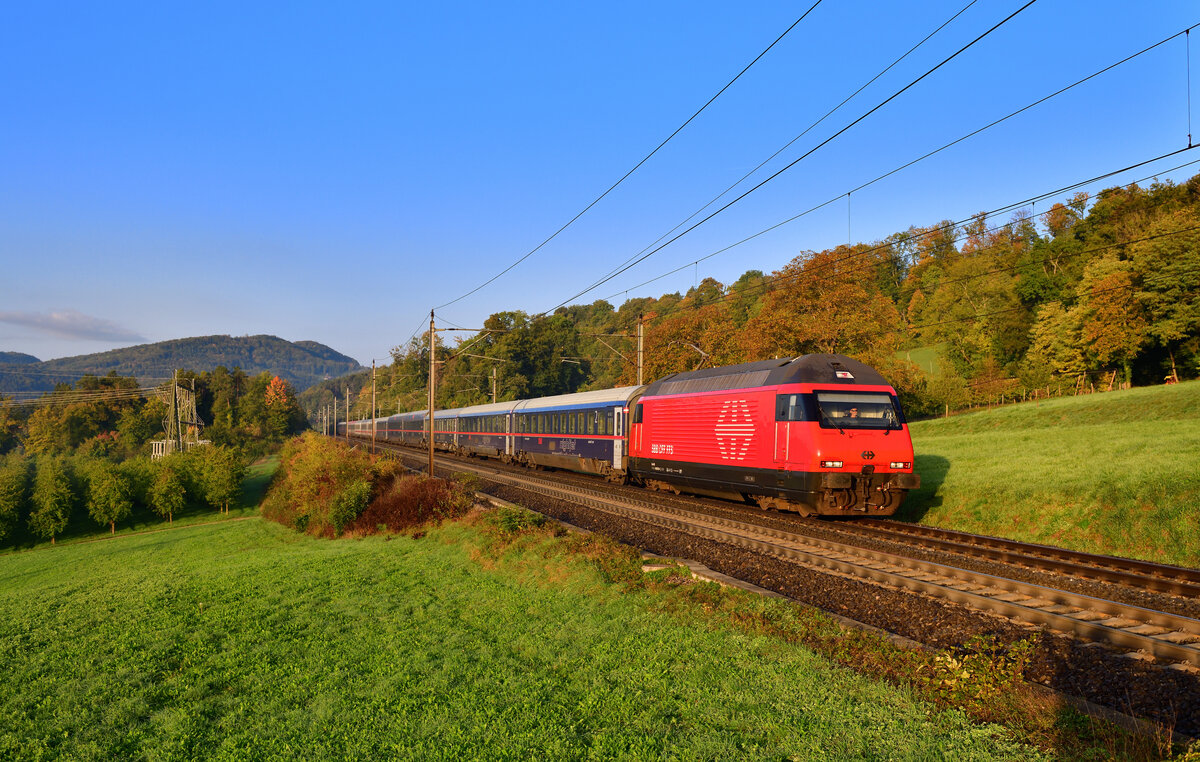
x,y
805,369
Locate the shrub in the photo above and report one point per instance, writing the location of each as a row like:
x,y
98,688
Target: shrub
x,y
324,488
313,472
349,504
405,501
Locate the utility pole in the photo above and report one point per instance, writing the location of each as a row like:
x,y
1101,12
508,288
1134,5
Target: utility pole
x,y
347,414
493,384
641,334
432,372
373,411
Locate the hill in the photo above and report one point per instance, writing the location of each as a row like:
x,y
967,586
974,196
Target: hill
x,y
1106,473
17,358
316,397
302,363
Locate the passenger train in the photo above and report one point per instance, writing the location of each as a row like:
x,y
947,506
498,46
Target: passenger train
x,y
819,434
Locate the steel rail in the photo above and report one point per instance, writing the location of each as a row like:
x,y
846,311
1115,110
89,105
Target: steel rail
x,y
1162,578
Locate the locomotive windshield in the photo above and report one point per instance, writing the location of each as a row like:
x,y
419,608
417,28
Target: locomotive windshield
x,y
858,410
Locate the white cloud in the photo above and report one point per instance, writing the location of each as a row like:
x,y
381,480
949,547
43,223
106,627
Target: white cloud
x,y
71,324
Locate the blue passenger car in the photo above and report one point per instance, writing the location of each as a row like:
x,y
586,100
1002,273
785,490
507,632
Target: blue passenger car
x,y
580,432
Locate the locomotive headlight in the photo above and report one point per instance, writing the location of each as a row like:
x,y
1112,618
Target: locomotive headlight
x,y
901,464
831,464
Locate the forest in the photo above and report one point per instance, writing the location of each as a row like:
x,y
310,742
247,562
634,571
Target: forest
x,y
1099,292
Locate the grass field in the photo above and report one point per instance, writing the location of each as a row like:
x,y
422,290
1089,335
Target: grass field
x,y
1116,473
244,640
928,359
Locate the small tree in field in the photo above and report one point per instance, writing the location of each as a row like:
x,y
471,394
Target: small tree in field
x,y
168,493
221,474
14,489
109,495
52,499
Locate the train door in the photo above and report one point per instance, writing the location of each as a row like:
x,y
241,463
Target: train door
x,y
508,434
619,442
787,410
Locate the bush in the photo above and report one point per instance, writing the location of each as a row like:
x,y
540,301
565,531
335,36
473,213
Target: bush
x,y
324,488
313,472
404,501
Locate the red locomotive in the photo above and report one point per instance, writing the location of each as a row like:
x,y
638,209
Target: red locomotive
x,y
819,434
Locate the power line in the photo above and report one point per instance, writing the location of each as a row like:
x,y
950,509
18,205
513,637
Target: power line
x,y
902,167
806,130
941,228
646,158
804,156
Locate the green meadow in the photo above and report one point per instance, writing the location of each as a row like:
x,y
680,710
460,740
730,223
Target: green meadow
x,y
245,640
1115,472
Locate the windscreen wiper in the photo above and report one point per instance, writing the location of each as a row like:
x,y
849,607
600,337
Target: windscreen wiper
x,y
831,421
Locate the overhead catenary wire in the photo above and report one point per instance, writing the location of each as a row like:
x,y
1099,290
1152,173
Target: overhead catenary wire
x,y
806,130
942,228
635,167
801,158
908,164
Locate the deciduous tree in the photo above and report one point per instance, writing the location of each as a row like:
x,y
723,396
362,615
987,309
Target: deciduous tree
x,y
53,498
110,496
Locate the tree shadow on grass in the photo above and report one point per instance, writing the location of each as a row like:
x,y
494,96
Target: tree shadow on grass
x,y
933,470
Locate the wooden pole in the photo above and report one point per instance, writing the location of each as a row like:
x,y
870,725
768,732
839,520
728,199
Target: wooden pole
x,y
373,411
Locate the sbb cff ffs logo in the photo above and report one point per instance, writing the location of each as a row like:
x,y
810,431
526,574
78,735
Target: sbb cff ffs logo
x,y
868,455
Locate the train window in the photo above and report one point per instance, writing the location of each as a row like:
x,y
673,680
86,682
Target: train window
x,y
608,423
637,413
789,407
578,423
857,410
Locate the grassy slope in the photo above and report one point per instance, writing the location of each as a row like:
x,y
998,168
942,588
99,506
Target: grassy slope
x,y
928,359
244,641
1114,473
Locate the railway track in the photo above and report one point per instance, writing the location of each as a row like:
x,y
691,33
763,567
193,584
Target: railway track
x,y
1166,636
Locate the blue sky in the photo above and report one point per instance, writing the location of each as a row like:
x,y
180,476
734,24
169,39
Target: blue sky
x,y
331,172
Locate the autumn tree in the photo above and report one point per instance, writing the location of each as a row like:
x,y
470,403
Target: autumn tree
x,y
1112,323
824,302
1055,350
